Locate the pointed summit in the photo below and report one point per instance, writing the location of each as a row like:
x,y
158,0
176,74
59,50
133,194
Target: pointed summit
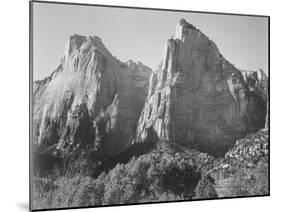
x,y
85,44
183,22
91,101
198,98
182,28
76,40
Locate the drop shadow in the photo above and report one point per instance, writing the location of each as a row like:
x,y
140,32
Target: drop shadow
x,y
23,206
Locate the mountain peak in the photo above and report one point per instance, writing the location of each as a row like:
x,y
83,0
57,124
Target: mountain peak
x,y
198,98
80,39
182,28
89,90
76,41
96,41
183,22
80,43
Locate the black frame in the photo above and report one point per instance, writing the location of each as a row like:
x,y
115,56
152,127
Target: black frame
x,y
127,7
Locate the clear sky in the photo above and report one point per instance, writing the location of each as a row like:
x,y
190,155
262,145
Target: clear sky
x,y
140,35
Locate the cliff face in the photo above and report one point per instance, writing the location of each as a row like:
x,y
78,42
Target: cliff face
x,y
257,83
91,100
199,99
195,98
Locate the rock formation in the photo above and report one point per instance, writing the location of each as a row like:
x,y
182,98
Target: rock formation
x,y
257,83
91,100
196,98
245,169
199,99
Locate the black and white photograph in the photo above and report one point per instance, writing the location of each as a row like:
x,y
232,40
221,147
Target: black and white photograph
x,y
140,105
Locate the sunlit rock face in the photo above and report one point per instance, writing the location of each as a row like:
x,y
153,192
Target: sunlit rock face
x,y
198,98
91,100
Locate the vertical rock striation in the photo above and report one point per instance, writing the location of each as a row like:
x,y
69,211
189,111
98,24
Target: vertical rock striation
x,y
92,100
195,98
198,98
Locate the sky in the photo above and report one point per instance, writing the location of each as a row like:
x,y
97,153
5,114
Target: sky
x,y
141,35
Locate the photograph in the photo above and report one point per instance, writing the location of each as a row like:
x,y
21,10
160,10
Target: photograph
x,y
132,105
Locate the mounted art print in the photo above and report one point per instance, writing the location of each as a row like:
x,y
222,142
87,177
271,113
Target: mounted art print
x,y
139,105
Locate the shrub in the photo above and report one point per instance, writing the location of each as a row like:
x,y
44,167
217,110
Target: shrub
x,y
205,188
251,181
161,175
156,176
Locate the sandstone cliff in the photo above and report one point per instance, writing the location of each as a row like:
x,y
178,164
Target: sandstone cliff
x,y
196,98
199,99
92,100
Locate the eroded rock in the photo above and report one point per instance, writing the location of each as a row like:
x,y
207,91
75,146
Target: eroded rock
x,y
91,95
198,98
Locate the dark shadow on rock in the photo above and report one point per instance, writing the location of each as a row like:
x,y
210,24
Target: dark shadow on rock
x,y
44,163
135,150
